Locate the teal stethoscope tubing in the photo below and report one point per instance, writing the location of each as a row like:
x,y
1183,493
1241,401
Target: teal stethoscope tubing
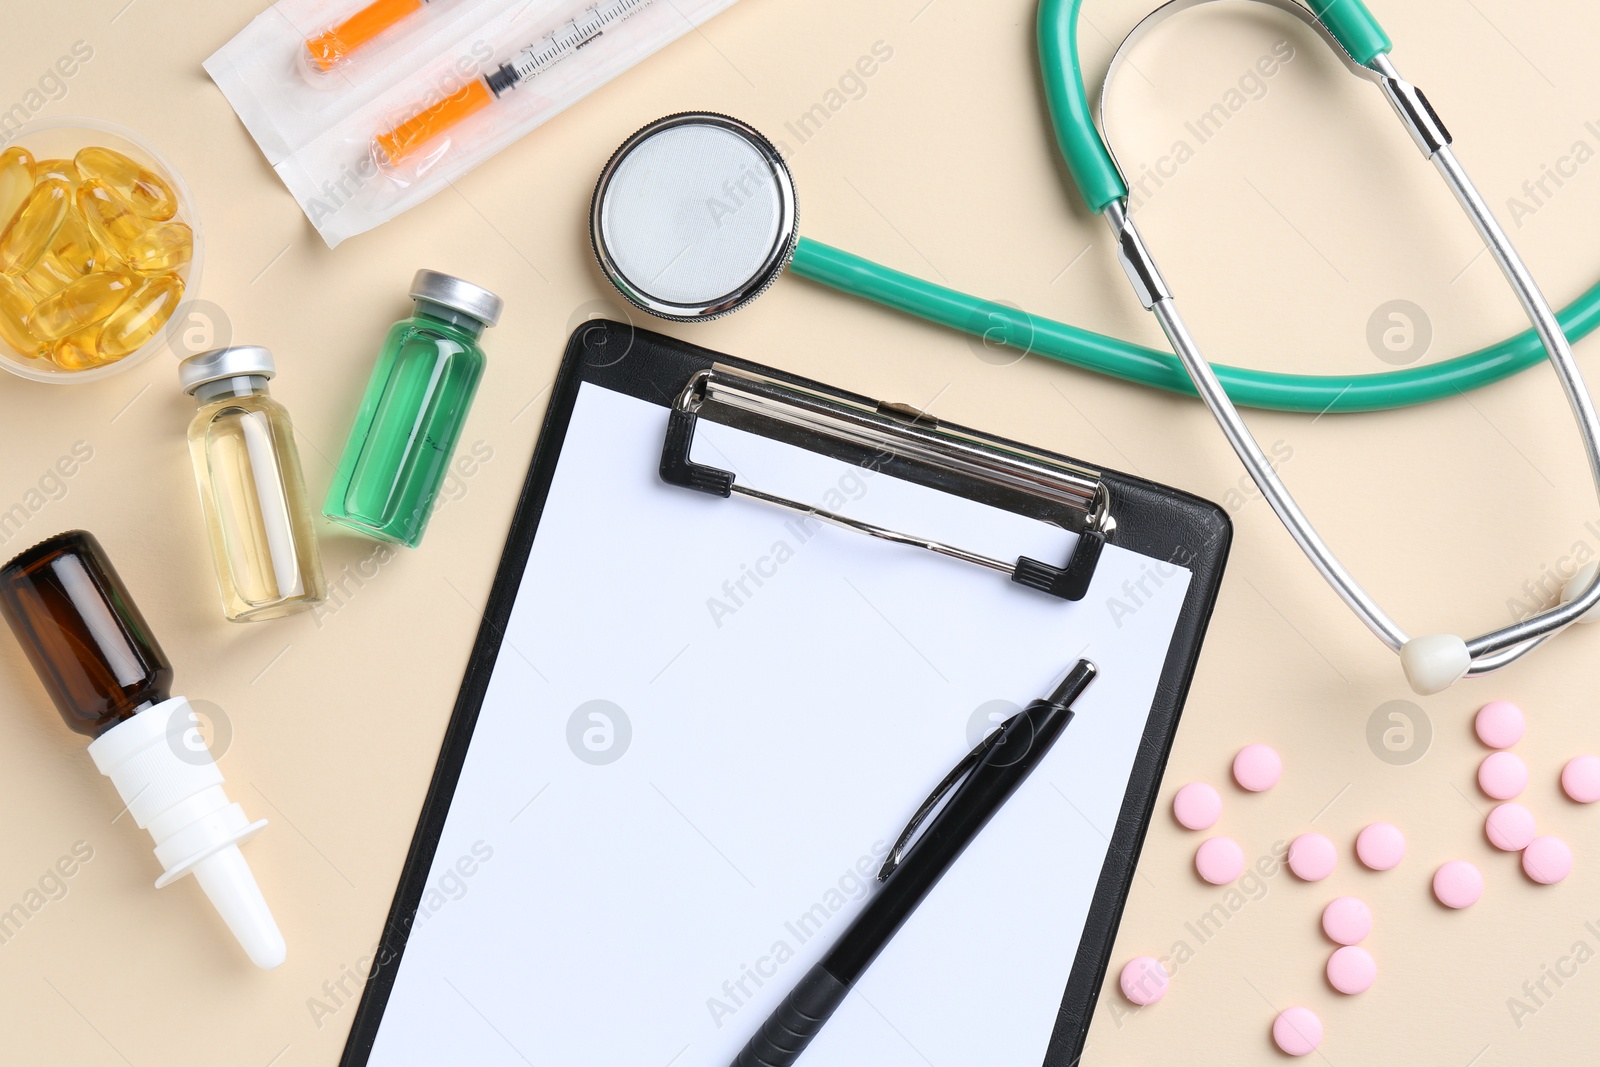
x,y
1101,184
1112,356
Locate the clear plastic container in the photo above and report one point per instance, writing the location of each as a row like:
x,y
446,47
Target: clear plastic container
x,y
62,138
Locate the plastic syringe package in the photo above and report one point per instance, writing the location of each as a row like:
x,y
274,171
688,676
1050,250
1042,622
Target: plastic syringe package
x,y
366,109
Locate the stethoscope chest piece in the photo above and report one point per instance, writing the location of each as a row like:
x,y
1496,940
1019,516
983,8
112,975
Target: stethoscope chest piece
x,y
694,217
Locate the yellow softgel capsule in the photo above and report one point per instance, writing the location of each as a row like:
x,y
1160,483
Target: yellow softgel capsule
x,y
49,276
141,317
78,250
15,307
60,170
29,234
164,247
79,350
112,222
88,300
16,182
145,190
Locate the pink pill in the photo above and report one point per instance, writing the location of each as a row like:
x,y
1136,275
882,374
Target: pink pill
x,y
1219,860
1297,1031
1351,970
1312,857
1197,806
1547,860
1580,779
1500,724
1257,768
1510,827
1458,884
1381,846
1144,980
1502,775
1347,921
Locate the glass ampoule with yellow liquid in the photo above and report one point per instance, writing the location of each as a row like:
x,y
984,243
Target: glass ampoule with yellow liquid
x,y
251,488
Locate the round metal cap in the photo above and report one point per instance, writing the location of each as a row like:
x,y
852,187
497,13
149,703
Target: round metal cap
x,y
694,217
449,291
220,363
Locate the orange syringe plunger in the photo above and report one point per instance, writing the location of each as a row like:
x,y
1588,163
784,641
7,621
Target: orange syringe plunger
x,y
424,126
334,47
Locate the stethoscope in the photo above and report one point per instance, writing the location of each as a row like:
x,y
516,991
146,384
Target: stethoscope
x,y
696,215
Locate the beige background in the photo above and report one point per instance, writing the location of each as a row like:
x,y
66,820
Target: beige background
x,y
1282,236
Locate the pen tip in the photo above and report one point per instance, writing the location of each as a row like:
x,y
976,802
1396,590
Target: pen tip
x,y
1076,681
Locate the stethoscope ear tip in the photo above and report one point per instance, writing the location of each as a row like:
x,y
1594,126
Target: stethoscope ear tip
x,y
1438,661
1434,663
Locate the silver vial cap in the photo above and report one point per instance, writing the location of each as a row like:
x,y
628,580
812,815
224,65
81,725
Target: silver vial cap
x,y
449,291
222,363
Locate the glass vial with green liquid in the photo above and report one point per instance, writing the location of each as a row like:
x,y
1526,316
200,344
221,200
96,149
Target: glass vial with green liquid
x,y
251,489
413,412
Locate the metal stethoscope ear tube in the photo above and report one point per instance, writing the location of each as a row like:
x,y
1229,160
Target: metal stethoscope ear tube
x,y
1432,663
696,215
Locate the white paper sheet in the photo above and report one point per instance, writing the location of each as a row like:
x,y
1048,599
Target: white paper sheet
x,y
772,740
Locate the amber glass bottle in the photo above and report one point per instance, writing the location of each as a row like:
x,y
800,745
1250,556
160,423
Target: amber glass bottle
x,y
83,633
95,655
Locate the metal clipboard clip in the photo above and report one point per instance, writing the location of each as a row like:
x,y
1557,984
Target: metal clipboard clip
x,y
1078,499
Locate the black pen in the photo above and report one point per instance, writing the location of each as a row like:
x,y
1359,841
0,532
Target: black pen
x,y
987,776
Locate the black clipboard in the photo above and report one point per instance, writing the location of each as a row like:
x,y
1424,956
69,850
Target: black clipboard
x,y
1150,519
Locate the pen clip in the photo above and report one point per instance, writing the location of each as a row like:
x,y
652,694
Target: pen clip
x,y
951,780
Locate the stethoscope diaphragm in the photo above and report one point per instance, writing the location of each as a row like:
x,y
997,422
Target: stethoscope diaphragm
x,y
694,216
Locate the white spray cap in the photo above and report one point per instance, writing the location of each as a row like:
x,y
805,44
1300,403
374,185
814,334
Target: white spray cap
x,y
172,787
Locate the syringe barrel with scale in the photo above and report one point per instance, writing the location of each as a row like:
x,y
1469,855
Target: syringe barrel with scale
x,y
576,30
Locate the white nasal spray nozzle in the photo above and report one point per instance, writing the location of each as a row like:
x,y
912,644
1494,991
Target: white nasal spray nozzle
x,y
172,787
